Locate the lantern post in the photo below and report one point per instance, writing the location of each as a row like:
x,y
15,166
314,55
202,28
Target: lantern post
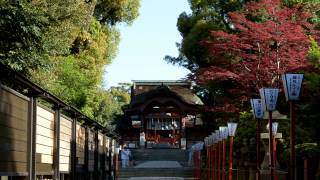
x,y
224,133
269,97
232,127
292,86
258,113
219,151
275,126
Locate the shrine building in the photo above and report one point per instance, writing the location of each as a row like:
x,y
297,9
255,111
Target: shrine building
x,y
164,113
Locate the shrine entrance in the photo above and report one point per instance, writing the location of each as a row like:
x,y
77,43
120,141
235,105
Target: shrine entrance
x,y
163,132
159,114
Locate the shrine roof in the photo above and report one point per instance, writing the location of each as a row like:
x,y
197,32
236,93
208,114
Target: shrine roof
x,y
145,90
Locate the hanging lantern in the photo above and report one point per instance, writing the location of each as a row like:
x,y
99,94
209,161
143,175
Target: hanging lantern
x,y
275,128
269,97
232,127
257,109
292,86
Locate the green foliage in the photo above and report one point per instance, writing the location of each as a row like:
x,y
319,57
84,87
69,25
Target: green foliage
x,y
207,15
247,126
63,47
308,150
111,11
314,52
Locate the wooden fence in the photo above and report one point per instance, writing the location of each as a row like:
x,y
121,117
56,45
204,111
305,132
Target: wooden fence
x,y
37,142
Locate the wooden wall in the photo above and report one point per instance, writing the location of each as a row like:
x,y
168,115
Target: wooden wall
x,y
44,139
91,149
15,121
65,143
13,131
80,139
100,149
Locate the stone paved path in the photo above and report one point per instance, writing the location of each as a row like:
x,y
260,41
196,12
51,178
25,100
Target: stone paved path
x,y
159,164
156,178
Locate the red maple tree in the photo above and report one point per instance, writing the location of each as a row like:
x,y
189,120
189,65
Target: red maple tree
x,y
269,39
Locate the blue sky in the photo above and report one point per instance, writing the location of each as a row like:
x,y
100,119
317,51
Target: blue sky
x,y
145,43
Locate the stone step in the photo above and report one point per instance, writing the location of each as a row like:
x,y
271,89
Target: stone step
x,y
156,172
160,154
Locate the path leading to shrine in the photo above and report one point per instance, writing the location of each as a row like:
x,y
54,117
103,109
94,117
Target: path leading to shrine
x,y
158,164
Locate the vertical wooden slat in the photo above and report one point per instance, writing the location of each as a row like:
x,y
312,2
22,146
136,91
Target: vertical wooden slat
x,y
86,154
96,155
103,157
110,159
73,149
56,149
32,138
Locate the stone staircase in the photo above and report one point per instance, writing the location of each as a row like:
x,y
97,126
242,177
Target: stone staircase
x,y
143,157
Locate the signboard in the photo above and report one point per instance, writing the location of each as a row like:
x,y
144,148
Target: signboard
x,y
292,86
269,98
257,109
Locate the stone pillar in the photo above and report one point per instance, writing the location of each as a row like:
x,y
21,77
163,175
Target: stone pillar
x,y
265,163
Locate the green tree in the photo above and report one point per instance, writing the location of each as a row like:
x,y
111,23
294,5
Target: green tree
x,y
65,45
206,15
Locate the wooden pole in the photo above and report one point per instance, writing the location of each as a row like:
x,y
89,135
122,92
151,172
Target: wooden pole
x,y
56,159
213,162
224,159
74,148
274,156
258,130
216,161
209,162
32,125
230,158
271,162
292,141
219,160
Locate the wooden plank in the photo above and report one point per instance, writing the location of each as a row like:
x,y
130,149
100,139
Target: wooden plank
x,y
13,122
80,160
44,158
16,110
64,152
11,145
80,155
43,140
64,160
45,132
13,99
65,138
13,156
13,167
44,113
41,121
44,168
66,122
91,165
91,155
64,167
42,149
65,130
65,145
12,134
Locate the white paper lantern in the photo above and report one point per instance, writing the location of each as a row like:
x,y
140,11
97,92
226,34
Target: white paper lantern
x,y
232,127
275,128
292,86
257,109
269,97
218,136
